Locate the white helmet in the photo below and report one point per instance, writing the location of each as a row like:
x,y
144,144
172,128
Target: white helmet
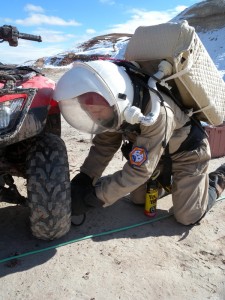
x,y
93,95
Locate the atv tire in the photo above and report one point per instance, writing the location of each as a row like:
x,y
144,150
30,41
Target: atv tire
x,y
48,188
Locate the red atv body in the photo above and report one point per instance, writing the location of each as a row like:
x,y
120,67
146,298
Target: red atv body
x,y
37,108
31,147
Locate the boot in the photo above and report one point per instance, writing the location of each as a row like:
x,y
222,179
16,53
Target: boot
x,y
217,179
216,187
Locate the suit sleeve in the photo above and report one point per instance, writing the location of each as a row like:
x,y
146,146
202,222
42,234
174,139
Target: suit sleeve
x,y
131,177
105,145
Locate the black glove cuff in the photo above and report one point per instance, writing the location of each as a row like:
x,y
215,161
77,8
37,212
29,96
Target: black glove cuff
x,y
81,179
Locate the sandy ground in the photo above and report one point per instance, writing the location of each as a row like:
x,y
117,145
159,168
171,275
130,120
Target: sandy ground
x,y
161,260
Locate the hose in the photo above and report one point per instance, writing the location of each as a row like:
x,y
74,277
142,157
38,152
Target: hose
x,y
133,115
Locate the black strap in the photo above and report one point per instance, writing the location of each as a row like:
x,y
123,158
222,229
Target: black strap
x,y
139,81
182,107
127,127
194,138
164,177
131,68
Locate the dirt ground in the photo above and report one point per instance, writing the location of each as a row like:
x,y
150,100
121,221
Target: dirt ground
x,y
118,253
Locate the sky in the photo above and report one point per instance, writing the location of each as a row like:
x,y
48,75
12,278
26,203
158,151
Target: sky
x,y
67,23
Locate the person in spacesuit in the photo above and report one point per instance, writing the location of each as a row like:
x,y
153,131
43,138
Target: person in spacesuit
x,y
121,107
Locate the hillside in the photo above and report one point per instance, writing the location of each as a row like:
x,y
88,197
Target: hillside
x,y
207,17
109,45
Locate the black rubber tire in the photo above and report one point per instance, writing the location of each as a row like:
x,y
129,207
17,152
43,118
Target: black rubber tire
x,y
48,188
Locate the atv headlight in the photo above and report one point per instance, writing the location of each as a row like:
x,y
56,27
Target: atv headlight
x,y
9,111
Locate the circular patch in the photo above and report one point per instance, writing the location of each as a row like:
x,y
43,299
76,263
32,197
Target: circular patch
x,y
137,156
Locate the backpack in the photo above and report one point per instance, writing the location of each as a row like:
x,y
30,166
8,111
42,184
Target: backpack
x,y
198,83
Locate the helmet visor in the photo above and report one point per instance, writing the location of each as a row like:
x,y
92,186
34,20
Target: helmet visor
x,y
91,113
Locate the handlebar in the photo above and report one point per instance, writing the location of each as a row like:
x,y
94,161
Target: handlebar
x,y
11,35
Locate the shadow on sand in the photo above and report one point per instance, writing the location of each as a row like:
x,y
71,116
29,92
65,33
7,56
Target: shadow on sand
x,y
120,220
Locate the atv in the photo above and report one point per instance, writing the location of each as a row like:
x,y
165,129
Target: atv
x,y
31,146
